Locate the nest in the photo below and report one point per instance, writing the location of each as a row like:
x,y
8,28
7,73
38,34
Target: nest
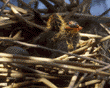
x,y
65,48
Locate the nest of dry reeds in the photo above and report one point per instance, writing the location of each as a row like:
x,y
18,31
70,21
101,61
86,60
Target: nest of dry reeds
x,y
65,48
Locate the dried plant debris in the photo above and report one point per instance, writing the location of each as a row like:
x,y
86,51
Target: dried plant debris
x,y
66,47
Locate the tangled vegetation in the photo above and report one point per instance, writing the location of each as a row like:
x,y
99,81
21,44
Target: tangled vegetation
x,y
67,47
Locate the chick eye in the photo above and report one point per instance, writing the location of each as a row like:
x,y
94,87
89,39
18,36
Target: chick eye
x,y
73,24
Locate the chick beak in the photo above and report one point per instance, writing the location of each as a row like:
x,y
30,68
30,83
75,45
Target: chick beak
x,y
80,28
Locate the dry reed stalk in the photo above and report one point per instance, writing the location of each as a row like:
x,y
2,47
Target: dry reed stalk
x,y
102,84
62,63
1,65
96,49
6,11
73,80
80,80
105,27
16,7
83,48
62,66
16,74
10,19
3,84
97,85
5,70
28,22
87,55
89,35
44,80
105,57
89,83
81,43
22,59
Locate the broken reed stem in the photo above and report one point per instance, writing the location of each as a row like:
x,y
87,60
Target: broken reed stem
x,y
47,82
80,80
101,85
97,85
73,80
96,49
89,83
